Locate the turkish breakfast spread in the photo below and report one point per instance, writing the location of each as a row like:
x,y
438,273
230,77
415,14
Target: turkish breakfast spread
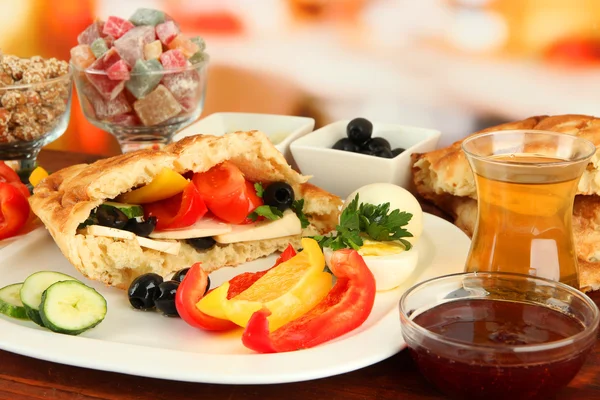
x,y
139,72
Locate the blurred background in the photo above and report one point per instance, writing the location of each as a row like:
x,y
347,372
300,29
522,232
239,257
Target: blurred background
x,y
453,65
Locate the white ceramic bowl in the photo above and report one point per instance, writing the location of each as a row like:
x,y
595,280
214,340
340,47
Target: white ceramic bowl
x,y
281,129
342,172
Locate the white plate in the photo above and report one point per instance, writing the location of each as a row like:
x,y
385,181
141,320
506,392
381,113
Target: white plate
x,y
147,344
281,129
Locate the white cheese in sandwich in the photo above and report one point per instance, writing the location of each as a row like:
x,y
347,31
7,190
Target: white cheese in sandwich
x,y
165,247
288,225
98,230
202,228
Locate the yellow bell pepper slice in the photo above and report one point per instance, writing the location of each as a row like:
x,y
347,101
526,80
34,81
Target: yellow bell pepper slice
x,y
166,184
289,290
37,175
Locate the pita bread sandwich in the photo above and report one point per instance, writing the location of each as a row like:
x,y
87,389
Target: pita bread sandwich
x,y
128,215
444,177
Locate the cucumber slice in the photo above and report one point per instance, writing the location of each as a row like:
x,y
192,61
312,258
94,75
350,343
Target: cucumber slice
x,y
34,286
71,307
10,301
131,210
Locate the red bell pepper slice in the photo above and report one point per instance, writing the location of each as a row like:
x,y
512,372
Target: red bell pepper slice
x,y
344,309
14,210
193,288
8,175
179,211
189,293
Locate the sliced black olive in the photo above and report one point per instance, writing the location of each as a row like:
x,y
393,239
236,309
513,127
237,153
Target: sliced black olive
x,y
165,302
204,243
280,195
397,151
144,228
359,130
377,144
346,145
111,217
144,290
179,275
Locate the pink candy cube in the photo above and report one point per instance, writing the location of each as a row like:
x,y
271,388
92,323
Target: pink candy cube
x,y
91,33
173,59
167,31
119,71
102,108
108,88
116,27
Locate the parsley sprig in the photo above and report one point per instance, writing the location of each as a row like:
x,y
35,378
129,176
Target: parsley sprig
x,y
369,221
269,212
297,206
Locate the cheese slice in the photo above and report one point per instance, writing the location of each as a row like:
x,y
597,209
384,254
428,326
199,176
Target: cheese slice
x,y
99,230
288,225
202,228
165,247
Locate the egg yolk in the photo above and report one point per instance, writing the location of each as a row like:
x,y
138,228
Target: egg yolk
x,y
374,248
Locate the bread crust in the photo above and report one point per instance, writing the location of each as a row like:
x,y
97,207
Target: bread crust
x,y
67,197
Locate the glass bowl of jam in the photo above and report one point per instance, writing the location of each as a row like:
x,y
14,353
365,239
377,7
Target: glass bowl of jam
x,y
492,335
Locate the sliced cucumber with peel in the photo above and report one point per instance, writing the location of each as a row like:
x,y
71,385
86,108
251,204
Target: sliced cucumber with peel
x,y
10,301
71,307
33,288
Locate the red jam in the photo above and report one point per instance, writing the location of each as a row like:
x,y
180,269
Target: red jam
x,y
500,374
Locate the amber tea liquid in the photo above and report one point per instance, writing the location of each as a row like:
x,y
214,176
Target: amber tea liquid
x,y
524,221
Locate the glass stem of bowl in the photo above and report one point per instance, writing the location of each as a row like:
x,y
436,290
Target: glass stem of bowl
x,y
131,142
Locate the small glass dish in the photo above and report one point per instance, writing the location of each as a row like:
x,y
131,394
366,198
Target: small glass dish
x,y
148,121
32,115
492,335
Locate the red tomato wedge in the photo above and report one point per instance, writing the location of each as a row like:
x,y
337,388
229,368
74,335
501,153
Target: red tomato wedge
x,y
14,210
179,211
223,188
8,175
253,202
344,309
193,287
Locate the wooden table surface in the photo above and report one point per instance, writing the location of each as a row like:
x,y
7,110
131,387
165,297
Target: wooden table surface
x,y
397,377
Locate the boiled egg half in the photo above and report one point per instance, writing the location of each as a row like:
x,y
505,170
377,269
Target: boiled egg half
x,y
389,261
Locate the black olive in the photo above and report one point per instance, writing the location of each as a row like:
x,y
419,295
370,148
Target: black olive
x,y
280,195
143,229
377,144
359,130
383,153
165,302
179,275
143,290
111,217
397,151
346,145
203,243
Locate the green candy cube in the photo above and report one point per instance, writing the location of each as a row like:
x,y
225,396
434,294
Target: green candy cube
x,y
199,42
99,47
147,16
198,57
145,77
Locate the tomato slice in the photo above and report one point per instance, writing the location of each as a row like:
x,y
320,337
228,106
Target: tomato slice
x,y
189,293
223,188
8,175
253,202
179,211
14,210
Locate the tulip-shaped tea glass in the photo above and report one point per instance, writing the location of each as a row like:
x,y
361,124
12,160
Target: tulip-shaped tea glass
x,y
526,184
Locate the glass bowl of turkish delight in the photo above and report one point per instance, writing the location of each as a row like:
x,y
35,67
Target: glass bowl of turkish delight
x,y
140,79
35,106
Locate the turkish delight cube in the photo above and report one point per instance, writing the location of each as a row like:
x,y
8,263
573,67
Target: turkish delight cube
x,y
145,76
116,27
131,45
152,51
183,44
147,16
129,119
167,31
99,47
198,58
185,87
119,71
157,107
82,56
102,108
98,77
91,33
173,59
199,42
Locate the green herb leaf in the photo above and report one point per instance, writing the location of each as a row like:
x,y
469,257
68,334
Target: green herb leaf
x,y
259,189
297,206
269,212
